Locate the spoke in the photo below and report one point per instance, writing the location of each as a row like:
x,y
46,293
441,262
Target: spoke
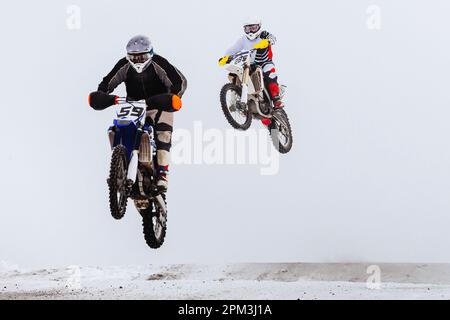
x,y
157,227
282,133
232,100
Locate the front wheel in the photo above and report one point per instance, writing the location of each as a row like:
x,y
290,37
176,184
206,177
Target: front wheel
x,y
154,220
281,132
238,115
117,182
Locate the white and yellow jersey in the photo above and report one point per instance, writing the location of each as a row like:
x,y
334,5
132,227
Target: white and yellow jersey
x,y
262,56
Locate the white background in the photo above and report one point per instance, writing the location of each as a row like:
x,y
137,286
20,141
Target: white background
x,y
368,178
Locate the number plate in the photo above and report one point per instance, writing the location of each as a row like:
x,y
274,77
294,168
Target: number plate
x,y
130,113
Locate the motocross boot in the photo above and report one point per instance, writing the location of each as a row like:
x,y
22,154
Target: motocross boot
x,y
162,182
278,103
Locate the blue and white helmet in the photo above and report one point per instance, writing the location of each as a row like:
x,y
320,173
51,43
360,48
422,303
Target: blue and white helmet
x,y
252,28
140,53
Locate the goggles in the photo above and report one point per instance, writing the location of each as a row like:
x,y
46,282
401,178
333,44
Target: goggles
x,y
252,28
140,57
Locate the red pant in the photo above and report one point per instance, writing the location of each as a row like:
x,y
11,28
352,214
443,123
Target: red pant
x,y
271,80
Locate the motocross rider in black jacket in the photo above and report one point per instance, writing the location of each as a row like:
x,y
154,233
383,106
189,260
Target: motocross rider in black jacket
x,y
147,76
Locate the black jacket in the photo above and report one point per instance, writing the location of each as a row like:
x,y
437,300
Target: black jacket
x,y
160,77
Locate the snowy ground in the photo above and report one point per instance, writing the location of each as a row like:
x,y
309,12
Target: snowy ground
x,y
249,281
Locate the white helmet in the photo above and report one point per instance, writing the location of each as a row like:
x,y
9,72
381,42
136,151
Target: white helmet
x,y
140,53
252,28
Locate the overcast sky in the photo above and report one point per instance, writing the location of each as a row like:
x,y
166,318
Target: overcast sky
x,y
368,178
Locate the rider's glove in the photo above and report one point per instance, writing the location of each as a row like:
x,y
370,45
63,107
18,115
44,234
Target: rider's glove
x,y
264,35
164,102
268,36
177,103
223,61
100,101
263,44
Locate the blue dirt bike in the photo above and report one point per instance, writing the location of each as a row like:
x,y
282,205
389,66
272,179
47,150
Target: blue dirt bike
x,y
133,171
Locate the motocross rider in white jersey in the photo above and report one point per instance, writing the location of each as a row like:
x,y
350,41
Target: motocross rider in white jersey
x,y
256,38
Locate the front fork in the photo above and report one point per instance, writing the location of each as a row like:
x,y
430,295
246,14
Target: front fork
x,y
245,79
134,160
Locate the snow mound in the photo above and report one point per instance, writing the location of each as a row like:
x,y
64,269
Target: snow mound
x,y
234,282
6,267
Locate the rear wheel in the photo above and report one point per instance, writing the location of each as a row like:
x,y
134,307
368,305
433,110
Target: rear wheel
x,y
281,132
238,115
154,220
117,182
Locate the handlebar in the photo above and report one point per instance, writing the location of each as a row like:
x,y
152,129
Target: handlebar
x,y
239,54
242,53
164,102
167,102
123,100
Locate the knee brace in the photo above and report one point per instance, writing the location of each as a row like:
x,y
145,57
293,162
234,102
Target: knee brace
x,y
164,140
